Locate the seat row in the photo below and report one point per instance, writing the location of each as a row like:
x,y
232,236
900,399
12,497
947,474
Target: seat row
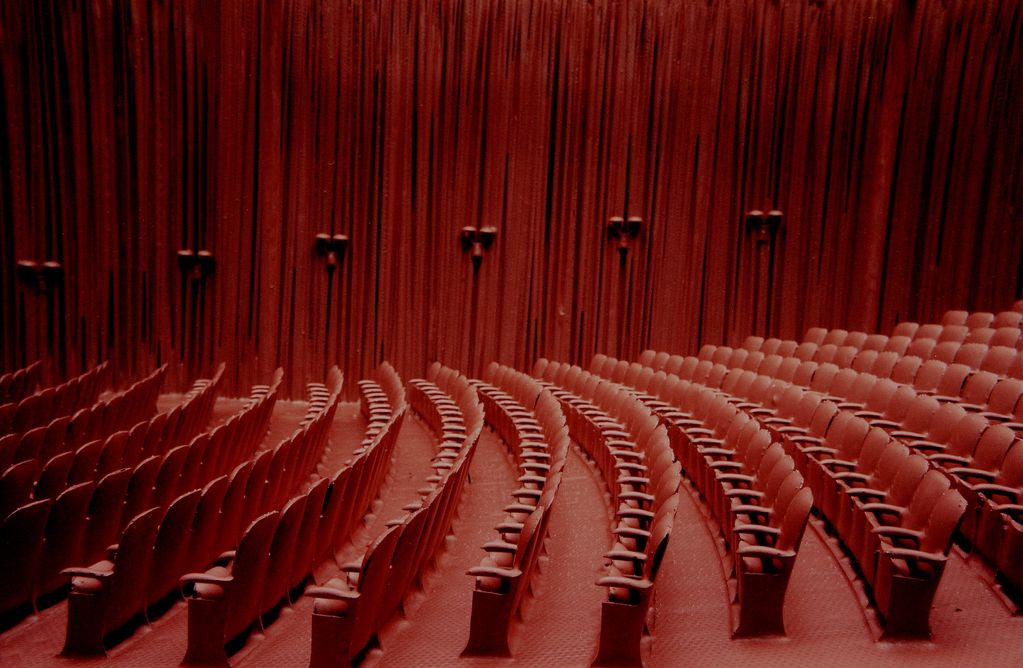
x,y
902,582
379,398
280,548
63,399
18,384
350,609
631,450
532,425
767,502
121,411
42,475
71,520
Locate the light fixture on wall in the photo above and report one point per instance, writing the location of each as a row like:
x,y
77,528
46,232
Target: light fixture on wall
x,y
624,230
43,276
197,265
331,248
477,239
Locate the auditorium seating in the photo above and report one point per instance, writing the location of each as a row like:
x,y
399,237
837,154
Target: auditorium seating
x,y
351,608
538,439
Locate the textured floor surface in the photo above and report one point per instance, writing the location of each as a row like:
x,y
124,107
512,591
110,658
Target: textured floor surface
x,y
690,620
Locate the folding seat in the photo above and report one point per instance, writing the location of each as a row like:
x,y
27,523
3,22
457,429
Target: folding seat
x,y
764,566
804,374
702,371
277,569
345,611
706,352
898,495
922,348
971,354
910,568
86,462
770,365
31,445
884,365
878,342
737,359
951,384
841,448
906,328
1003,402
646,358
787,369
895,410
997,501
953,334
955,318
674,365
876,401
844,356
107,594
660,361
980,335
223,601
982,465
753,361
898,345
112,456
864,361
878,517
106,514
16,485
960,443
906,369
53,478
65,533
825,353
770,346
721,354
1007,319
975,392
823,378
1006,336
501,580
855,340
8,446
998,359
624,612
21,535
168,478
753,343
815,335
979,319
805,351
946,351
787,348
622,368
170,545
875,469
835,337
191,475
207,523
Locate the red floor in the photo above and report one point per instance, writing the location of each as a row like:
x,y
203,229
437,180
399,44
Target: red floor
x,y
690,617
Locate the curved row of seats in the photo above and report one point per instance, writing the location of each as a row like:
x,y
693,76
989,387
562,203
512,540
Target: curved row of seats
x,y
903,580
76,507
18,384
349,610
284,531
532,425
754,496
379,398
63,399
631,450
157,542
46,475
120,411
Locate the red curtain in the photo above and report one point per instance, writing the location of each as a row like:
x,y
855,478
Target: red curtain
x,y
889,133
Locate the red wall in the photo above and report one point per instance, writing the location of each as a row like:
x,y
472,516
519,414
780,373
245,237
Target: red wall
x,y
890,133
